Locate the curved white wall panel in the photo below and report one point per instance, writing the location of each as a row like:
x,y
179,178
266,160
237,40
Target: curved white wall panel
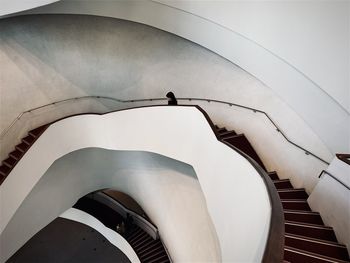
x,y
309,72
13,6
181,133
167,190
112,236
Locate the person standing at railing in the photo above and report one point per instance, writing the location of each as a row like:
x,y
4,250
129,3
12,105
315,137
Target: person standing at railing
x,y
171,98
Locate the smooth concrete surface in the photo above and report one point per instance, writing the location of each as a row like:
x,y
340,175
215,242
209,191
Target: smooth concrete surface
x,y
332,200
178,132
13,6
53,57
168,191
297,62
112,236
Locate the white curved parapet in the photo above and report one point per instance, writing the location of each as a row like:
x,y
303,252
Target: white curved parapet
x,y
112,236
13,6
236,196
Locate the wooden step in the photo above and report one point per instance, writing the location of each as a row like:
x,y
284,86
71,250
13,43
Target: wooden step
x,y
295,204
38,131
293,193
273,175
4,170
241,142
310,230
282,184
227,134
152,247
10,162
295,255
16,154
321,247
23,147
221,130
29,139
155,255
303,217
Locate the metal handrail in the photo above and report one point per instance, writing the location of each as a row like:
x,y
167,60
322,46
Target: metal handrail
x,y
335,178
307,152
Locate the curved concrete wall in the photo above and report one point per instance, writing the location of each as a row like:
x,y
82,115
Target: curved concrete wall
x,y
298,49
179,132
168,190
53,57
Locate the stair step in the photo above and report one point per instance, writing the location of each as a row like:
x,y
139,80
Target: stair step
x,y
227,134
293,193
2,178
282,184
144,246
321,247
298,255
310,230
152,247
141,235
221,130
10,162
29,139
16,154
4,170
295,204
38,131
273,175
241,142
152,256
159,258
303,216
23,147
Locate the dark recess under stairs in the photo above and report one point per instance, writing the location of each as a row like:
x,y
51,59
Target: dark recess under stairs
x,y
307,239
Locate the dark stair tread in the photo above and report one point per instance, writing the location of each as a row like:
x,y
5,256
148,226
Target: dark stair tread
x,y
154,255
17,154
4,170
152,247
38,131
310,230
241,142
308,225
10,162
2,178
23,147
316,240
321,247
293,204
303,216
29,139
145,246
221,130
273,175
282,184
159,258
298,255
227,134
298,193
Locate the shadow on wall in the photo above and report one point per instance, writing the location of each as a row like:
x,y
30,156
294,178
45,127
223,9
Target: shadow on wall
x,y
60,56
167,190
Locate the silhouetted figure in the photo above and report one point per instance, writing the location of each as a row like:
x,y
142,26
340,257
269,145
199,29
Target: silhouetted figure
x,y
171,98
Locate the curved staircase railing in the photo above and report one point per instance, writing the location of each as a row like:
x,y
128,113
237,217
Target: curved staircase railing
x,y
230,104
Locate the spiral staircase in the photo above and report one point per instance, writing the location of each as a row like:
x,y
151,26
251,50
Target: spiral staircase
x,y
306,237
